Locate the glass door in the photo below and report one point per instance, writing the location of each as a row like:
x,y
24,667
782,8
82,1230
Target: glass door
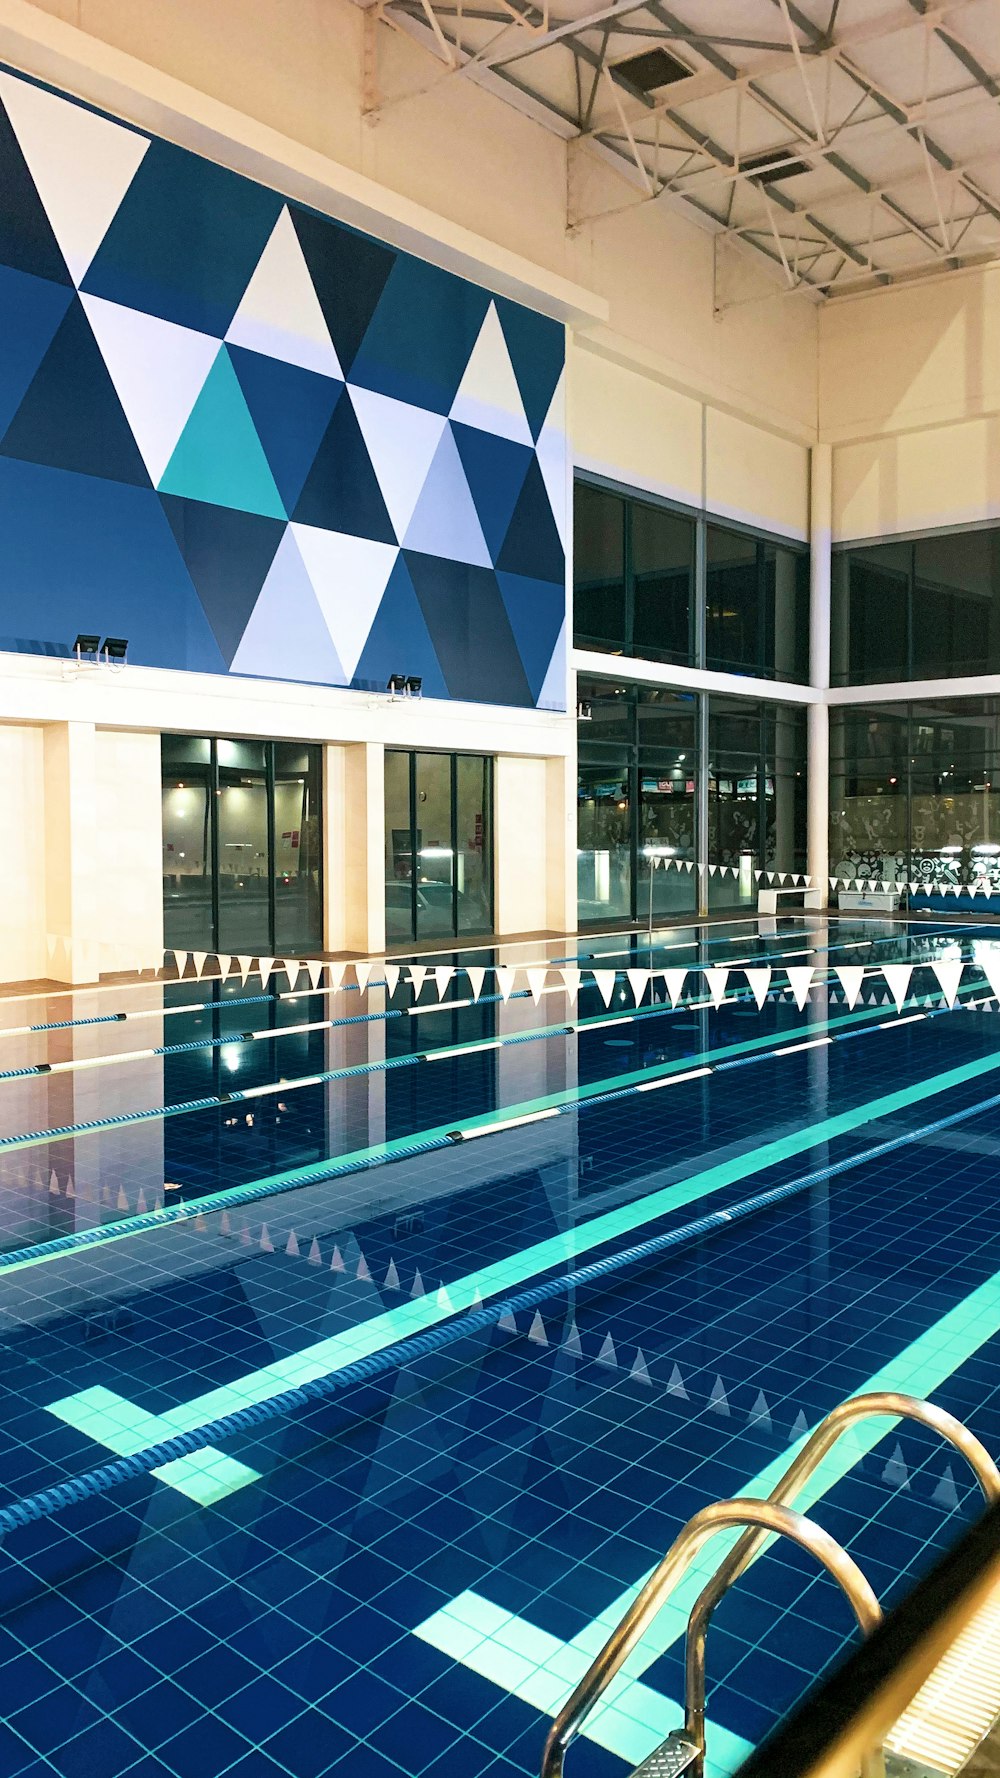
x,y
245,847
438,845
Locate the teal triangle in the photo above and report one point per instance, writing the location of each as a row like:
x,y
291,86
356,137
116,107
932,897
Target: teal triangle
x,y
218,457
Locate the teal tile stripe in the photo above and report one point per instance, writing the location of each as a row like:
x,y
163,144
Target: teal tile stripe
x,y
634,1719
103,1418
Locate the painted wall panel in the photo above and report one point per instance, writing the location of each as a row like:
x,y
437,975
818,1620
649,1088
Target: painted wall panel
x,y
254,441
755,476
633,429
22,901
916,481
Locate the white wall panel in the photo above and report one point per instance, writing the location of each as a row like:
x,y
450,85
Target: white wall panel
x,y
756,476
22,898
914,481
633,429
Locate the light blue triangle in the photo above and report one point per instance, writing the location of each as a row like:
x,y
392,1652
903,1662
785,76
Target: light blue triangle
x,y
286,636
444,522
218,457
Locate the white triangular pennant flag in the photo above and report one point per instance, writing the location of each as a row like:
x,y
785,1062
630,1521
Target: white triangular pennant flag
x,y
760,981
638,980
897,977
712,869
391,1279
571,981
850,976
391,978
571,1344
335,976
800,981
442,976
199,959
833,882
536,1332
718,1401
505,981
604,981
266,967
607,1355
362,971
949,974
717,980
477,975
536,981
640,1369
989,963
676,1385
244,965
689,865
674,980
314,970
418,976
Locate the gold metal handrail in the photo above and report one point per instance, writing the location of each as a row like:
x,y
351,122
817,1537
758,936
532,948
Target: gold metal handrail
x,y
767,1518
860,1407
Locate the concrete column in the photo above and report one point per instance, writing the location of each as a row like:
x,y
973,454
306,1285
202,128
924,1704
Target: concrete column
x,y
560,831
354,847
820,520
72,876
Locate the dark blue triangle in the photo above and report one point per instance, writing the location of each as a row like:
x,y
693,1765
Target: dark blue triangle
x,y
26,238
185,240
290,408
421,335
532,546
71,417
536,610
495,469
537,348
399,641
30,312
341,492
348,273
470,630
227,554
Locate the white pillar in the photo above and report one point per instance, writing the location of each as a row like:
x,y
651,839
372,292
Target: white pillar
x,y
820,519
354,848
72,877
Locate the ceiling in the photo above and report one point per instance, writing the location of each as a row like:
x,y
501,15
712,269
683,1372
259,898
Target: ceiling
x,y
846,144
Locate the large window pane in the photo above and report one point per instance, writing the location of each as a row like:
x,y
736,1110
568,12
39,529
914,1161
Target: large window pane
x,y
187,842
604,836
733,602
667,739
474,841
435,848
956,604
399,860
298,901
244,869
663,582
599,568
786,612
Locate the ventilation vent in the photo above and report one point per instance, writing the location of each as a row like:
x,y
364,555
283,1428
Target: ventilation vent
x,y
775,164
651,69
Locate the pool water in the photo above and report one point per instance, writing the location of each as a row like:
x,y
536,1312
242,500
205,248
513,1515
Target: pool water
x,y
355,1376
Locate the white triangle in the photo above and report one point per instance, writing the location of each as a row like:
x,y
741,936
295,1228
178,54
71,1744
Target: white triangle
x,y
640,1370
314,1256
417,1287
265,1243
607,1355
507,1323
895,1472
402,442
266,967
505,980
760,981
337,1260
335,976
280,314
946,1493
760,1413
477,975
604,981
850,976
800,980
443,1300
989,963
348,576
536,1331
897,976
158,370
445,521
315,973
571,981
800,1425
674,979
949,974
418,976
536,981
638,980
712,869
442,977
552,695
552,451
718,1401
362,971
82,164
571,1343
363,1273
717,980
391,1279
292,1245
488,395
676,1384
391,978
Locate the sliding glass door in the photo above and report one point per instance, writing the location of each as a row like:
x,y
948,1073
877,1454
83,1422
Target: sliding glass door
x,y
438,845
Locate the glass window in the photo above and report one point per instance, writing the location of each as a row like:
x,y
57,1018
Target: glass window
x,y
926,609
438,845
434,844
663,583
298,904
757,794
604,835
734,626
398,849
188,803
667,880
244,849
474,842
599,568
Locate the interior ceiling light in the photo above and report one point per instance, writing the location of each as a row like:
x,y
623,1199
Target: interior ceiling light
x,y
651,69
775,164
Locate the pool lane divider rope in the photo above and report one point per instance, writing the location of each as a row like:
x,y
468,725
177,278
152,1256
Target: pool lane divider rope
x,y
455,1325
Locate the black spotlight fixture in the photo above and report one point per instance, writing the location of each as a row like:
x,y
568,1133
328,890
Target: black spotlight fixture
x,y
414,686
86,644
115,648
396,684
584,710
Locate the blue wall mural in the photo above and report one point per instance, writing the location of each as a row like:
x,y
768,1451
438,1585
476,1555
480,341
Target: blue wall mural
x,y
253,441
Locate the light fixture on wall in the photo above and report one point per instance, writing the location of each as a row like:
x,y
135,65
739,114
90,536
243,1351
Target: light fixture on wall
x,y
86,644
115,651
414,686
396,685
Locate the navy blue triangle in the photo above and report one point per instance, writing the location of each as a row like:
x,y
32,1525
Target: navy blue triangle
x,y
30,311
341,491
495,469
185,240
399,641
421,335
537,348
536,610
26,238
227,554
470,630
290,408
348,273
532,545
71,417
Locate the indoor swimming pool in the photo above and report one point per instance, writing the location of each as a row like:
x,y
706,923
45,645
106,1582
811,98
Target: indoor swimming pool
x,y
365,1347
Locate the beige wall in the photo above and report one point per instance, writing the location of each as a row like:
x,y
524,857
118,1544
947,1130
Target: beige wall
x,y
22,902
129,847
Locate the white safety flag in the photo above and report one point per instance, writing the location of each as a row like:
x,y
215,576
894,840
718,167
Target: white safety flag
x,y
571,981
717,980
418,976
638,981
949,974
800,978
391,978
199,959
897,977
266,967
314,971
362,971
442,976
336,974
850,976
760,981
536,981
505,980
675,979
604,981
477,975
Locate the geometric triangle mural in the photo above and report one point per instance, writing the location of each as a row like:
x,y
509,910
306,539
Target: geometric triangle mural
x,y
254,440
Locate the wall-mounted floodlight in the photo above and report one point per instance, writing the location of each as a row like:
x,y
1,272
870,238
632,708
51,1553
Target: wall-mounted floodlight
x,y
396,685
115,648
414,686
86,644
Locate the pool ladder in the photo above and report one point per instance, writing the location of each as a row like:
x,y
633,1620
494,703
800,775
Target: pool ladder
x,y
683,1751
